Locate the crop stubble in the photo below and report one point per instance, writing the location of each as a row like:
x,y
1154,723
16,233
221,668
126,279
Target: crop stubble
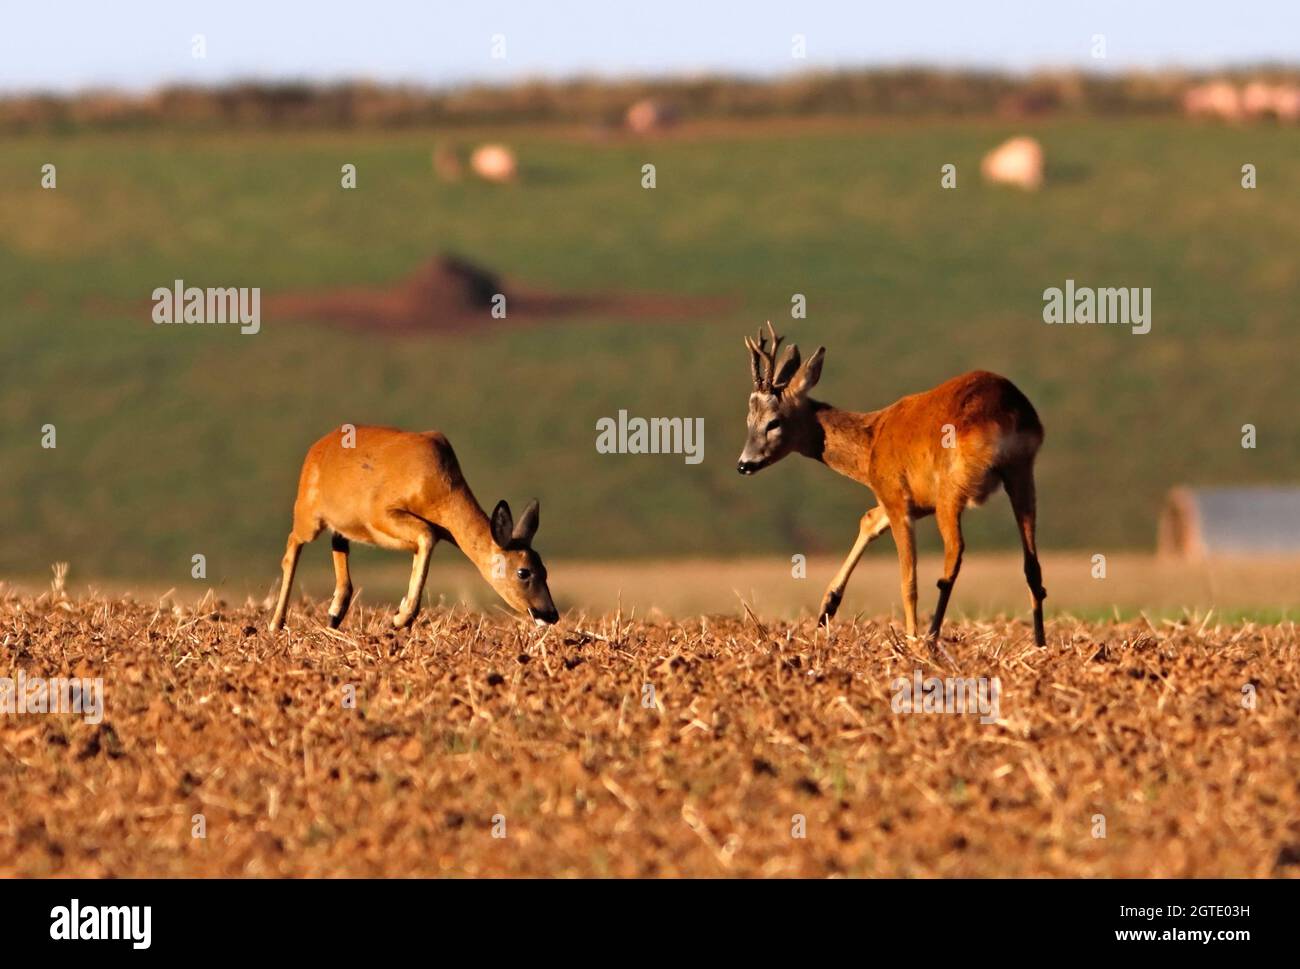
x,y
471,726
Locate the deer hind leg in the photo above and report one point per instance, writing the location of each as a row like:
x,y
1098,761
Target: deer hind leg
x,y
904,530
342,581
302,533
872,525
1019,482
949,520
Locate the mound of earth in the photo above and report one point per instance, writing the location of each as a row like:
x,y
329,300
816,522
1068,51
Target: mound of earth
x,y
445,292
450,293
453,284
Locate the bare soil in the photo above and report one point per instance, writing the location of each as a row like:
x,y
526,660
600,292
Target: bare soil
x,y
482,746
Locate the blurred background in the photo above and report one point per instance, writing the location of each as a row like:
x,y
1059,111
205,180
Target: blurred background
x,y
798,150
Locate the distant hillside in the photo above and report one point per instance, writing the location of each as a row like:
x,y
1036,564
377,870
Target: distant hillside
x,y
176,440
910,92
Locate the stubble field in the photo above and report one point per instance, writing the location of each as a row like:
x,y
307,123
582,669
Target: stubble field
x,y
613,746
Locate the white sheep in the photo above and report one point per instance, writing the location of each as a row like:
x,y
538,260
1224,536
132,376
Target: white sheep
x,y
494,163
1017,162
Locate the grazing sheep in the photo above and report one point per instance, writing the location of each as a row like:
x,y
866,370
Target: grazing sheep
x,y
650,115
1280,101
1257,99
1217,99
1017,162
1286,102
494,163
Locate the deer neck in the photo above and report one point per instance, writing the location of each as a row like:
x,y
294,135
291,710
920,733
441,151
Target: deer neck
x,y
843,440
471,530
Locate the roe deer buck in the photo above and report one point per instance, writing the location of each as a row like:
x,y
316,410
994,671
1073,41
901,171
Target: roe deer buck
x,y
991,431
401,490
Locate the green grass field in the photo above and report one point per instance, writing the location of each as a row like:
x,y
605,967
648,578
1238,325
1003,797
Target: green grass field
x,y
176,440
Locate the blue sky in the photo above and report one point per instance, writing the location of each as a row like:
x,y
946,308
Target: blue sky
x,y
55,45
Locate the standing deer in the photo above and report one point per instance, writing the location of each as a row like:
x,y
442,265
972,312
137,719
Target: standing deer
x,y
401,490
937,452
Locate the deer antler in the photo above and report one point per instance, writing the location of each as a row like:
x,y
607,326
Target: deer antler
x,y
762,359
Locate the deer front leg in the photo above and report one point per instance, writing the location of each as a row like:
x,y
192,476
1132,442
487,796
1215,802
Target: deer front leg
x,y
905,538
872,525
949,518
410,606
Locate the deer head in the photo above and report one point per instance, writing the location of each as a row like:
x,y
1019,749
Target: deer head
x,y
780,418
517,571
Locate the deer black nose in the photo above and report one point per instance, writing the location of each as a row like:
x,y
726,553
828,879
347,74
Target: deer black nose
x,y
546,617
745,467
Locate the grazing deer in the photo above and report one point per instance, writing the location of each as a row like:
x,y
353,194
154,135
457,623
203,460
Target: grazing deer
x,y
405,491
936,452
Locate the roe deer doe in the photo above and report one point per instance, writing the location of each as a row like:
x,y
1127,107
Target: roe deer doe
x,y
405,491
936,452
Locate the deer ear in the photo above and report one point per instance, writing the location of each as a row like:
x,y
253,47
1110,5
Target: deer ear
x,y
786,367
502,524
811,372
526,527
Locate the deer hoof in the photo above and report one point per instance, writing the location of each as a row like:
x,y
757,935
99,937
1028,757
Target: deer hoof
x,y
830,605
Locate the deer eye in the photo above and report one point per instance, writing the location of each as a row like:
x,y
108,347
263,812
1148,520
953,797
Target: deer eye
x,y
524,574
772,425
